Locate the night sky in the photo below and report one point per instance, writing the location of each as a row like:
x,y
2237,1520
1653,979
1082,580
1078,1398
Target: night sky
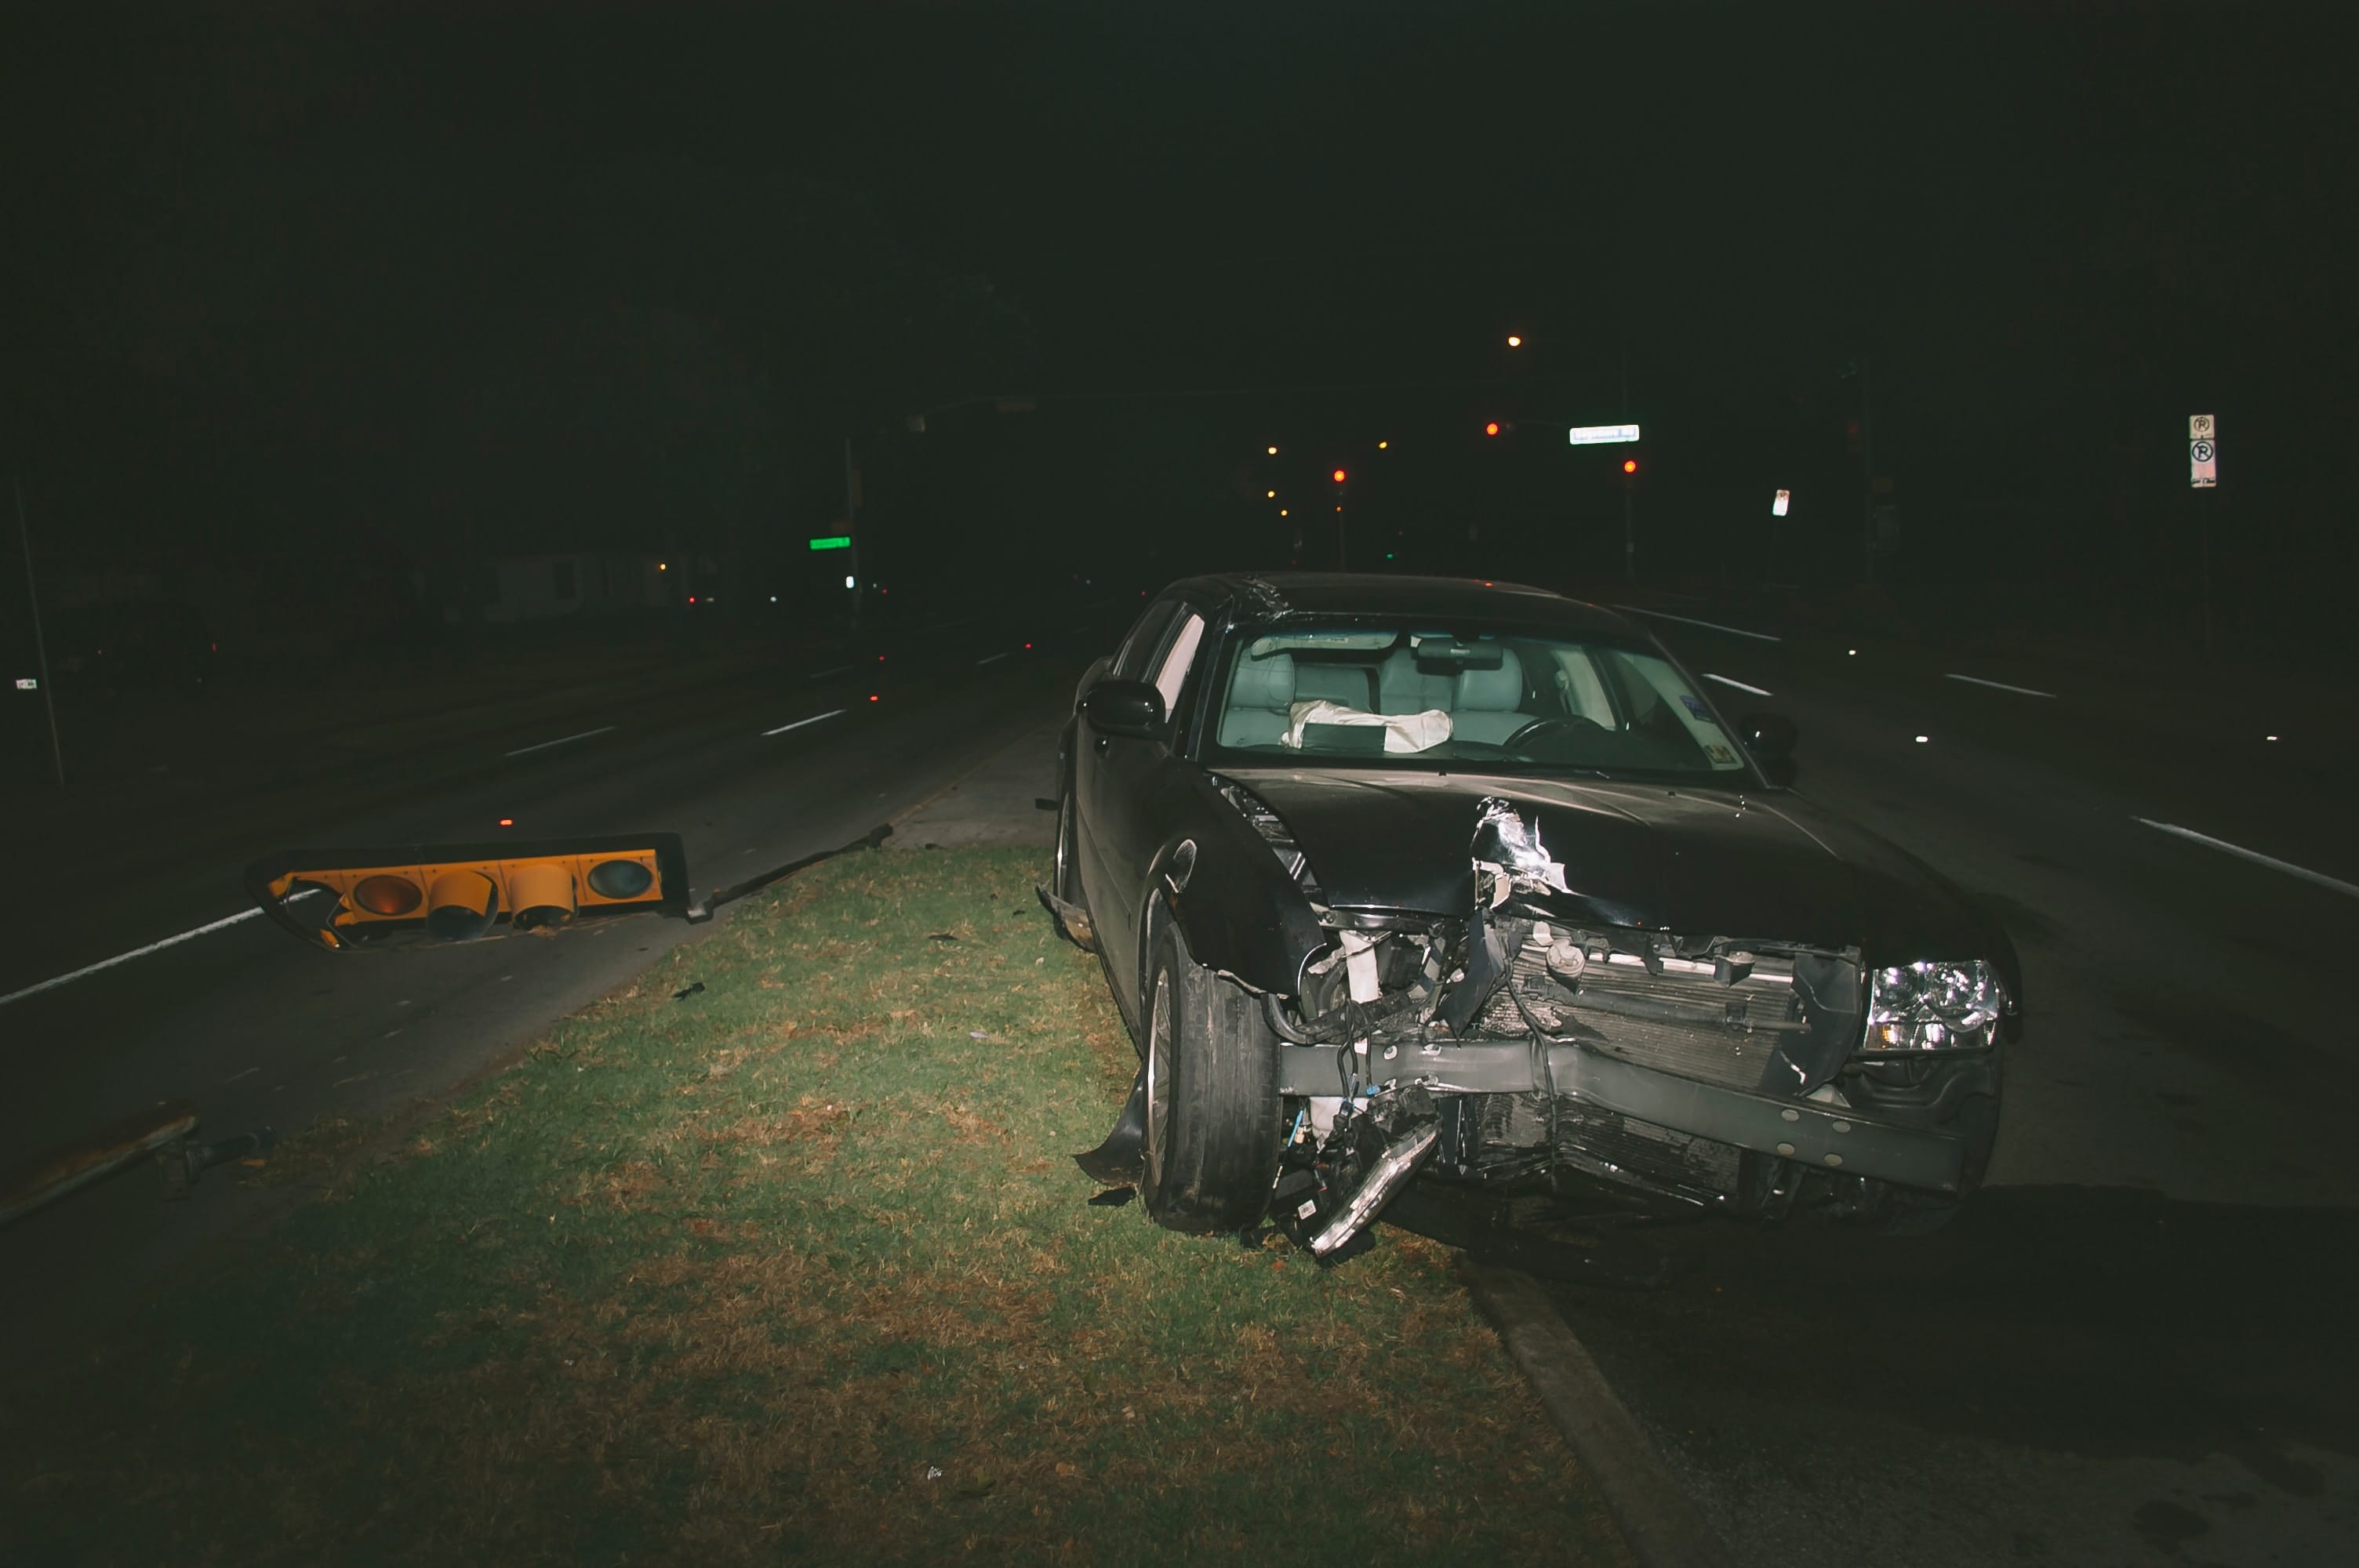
x,y
350,293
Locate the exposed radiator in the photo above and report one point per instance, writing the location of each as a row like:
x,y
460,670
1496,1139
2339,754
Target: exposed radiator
x,y
1718,1034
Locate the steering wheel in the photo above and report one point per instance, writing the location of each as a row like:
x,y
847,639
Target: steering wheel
x,y
1537,725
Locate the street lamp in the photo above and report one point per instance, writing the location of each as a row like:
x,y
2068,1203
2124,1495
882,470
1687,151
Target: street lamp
x,y
1513,341
1273,451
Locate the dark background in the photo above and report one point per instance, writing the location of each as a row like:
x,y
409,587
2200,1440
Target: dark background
x,y
323,307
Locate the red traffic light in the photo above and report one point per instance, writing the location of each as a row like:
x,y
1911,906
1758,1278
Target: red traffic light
x,y
1339,476
1629,465
1491,429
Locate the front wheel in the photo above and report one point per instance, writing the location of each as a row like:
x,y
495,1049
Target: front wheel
x,y
1213,1112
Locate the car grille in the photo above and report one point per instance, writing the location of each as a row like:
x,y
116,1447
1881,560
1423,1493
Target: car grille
x,y
1728,1037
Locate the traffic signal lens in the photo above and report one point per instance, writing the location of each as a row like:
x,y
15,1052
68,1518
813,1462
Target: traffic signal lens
x,y
461,905
1491,429
387,895
1339,476
1629,465
620,879
541,895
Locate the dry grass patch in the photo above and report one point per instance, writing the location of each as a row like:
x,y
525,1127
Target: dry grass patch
x,y
796,1267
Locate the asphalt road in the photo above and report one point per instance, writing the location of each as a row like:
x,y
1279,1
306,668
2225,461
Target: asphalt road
x,y
258,1030
2135,1345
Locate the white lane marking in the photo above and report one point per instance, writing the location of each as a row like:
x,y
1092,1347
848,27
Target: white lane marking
x,y
210,927
839,670
831,713
2304,872
992,660
2002,685
234,1076
563,740
1714,625
1738,684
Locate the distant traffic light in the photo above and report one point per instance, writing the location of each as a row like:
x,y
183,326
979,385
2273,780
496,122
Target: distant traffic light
x,y
1339,476
1629,465
1491,429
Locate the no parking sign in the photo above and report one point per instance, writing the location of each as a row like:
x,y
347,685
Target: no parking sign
x,y
2202,452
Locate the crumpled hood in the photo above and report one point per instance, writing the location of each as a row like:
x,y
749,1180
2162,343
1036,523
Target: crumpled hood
x,y
1714,862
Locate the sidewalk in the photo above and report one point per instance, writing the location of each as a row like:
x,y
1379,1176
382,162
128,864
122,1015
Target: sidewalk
x,y
996,804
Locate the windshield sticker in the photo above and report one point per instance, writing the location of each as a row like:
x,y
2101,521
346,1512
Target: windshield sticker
x,y
1694,705
1719,754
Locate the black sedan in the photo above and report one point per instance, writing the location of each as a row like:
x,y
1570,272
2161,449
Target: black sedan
x,y
1400,879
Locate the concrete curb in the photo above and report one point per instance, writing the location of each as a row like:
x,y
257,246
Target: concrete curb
x,y
1656,1516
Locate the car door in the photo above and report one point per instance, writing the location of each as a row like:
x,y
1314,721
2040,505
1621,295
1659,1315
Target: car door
x,y
1138,645
1127,772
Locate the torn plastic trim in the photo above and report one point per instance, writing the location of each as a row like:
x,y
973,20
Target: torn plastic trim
x,y
1399,1162
1829,1136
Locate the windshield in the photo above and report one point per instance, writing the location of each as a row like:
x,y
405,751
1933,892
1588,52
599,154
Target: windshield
x,y
1392,695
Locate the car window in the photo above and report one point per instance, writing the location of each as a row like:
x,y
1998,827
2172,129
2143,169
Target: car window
x,y
1145,637
1173,671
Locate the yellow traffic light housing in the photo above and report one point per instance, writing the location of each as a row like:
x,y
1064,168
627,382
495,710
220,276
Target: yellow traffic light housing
x,y
458,892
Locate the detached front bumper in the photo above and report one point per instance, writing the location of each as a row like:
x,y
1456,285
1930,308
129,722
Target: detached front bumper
x,y
1829,1138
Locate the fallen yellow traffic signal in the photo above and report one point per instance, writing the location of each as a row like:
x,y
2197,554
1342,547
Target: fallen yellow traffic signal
x,y
458,892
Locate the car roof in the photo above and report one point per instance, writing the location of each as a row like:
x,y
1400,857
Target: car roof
x,y
1277,594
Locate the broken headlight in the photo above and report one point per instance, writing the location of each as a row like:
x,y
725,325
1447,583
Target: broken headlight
x,y
1933,1006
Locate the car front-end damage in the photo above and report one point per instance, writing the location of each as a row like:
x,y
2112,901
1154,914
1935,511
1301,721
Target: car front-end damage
x,y
1530,1040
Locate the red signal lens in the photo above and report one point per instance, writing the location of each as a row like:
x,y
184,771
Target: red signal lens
x,y
1339,476
1491,429
1629,465
387,895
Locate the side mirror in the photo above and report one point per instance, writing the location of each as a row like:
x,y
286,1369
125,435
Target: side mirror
x,y
1131,708
1770,738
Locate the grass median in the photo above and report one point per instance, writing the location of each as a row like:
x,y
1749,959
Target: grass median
x,y
795,1265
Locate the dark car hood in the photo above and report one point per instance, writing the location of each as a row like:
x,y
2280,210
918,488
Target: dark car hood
x,y
1710,862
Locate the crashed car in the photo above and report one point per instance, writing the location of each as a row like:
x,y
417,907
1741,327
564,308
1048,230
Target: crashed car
x,y
1401,879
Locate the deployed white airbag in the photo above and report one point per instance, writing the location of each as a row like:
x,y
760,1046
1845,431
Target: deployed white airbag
x,y
1403,732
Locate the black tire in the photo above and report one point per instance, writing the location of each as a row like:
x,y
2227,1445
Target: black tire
x,y
1213,1113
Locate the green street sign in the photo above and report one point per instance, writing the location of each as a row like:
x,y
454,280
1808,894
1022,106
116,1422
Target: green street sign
x,y
839,542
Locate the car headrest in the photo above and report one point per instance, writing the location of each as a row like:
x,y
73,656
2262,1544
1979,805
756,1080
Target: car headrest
x,y
1267,682
1492,691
